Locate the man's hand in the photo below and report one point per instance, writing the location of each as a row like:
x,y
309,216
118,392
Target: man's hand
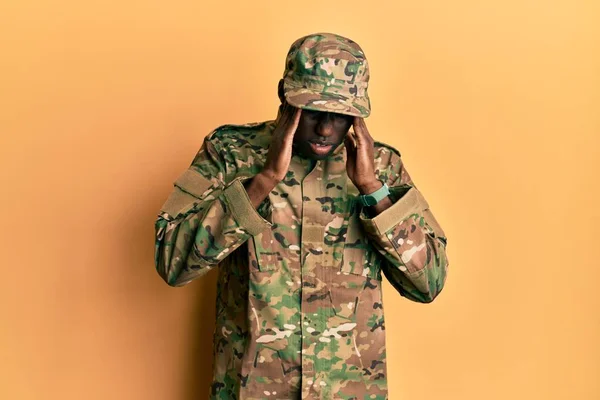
x,y
360,165
279,156
280,149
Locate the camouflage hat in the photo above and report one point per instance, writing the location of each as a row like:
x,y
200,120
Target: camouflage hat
x,y
327,72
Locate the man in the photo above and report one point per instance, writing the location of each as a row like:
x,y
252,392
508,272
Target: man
x,y
302,216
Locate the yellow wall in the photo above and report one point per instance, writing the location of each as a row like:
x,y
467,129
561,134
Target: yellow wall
x,y
495,106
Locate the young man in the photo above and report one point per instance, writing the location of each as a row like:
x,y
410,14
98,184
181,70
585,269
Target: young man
x,y
301,217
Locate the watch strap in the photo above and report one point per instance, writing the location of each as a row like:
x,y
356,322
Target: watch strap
x,y
373,198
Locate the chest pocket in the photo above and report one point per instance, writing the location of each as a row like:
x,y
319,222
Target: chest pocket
x,y
359,256
274,248
264,250
266,255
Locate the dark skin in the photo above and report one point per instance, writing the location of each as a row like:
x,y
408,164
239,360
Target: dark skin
x,y
296,129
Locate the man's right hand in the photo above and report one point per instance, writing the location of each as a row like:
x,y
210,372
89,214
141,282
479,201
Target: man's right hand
x,y
280,149
279,156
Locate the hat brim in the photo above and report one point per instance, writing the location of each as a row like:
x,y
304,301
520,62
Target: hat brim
x,y
302,97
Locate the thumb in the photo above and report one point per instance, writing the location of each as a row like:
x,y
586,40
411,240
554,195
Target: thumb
x,y
350,152
350,143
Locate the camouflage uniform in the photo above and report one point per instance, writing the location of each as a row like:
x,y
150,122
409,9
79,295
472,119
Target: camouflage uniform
x,y
299,309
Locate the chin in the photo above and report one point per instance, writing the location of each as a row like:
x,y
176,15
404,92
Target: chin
x,y
311,156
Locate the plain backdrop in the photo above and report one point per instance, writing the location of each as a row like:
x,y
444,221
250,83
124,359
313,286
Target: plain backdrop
x,y
494,105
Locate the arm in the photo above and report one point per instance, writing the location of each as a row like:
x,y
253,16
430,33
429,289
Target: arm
x,y
401,227
406,233
205,218
210,214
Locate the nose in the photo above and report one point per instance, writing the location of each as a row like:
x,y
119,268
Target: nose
x,y
325,126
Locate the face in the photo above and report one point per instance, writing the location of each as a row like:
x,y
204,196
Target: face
x,y
319,133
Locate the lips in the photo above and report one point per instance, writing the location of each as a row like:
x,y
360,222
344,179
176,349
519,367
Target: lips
x,y
320,149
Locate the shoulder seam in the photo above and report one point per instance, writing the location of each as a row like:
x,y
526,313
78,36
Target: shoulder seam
x,y
234,128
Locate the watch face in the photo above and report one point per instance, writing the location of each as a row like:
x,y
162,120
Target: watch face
x,y
370,200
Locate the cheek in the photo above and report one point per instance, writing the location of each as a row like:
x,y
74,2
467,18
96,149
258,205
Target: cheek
x,y
301,134
342,132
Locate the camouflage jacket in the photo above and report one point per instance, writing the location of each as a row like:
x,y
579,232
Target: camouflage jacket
x,y
299,309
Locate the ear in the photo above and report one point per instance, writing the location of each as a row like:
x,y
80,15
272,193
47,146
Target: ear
x,y
280,91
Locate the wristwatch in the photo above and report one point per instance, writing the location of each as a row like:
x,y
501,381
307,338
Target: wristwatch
x,y
373,198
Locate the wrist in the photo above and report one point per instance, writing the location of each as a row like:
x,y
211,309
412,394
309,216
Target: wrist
x,y
370,187
267,178
258,188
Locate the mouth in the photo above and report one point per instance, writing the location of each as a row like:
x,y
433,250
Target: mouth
x,y
321,148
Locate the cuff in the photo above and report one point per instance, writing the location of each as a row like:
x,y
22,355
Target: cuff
x,y
410,203
241,208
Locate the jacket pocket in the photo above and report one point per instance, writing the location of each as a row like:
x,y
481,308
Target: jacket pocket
x,y
267,368
359,256
266,255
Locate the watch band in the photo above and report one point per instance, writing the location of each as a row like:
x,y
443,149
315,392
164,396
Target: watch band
x,y
373,198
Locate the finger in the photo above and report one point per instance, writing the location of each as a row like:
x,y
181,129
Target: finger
x,y
292,125
365,131
290,112
350,145
285,120
350,153
362,133
351,136
287,112
297,114
350,149
348,141
356,124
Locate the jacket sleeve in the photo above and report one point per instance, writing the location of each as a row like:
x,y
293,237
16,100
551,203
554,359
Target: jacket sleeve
x,y
204,219
410,238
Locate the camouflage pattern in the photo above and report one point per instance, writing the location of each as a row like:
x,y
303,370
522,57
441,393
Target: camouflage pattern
x,y
327,72
299,309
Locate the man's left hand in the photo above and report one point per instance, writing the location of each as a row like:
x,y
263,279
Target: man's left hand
x,y
360,165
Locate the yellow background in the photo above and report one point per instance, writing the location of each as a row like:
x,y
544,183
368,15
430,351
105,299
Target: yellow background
x,y
495,106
